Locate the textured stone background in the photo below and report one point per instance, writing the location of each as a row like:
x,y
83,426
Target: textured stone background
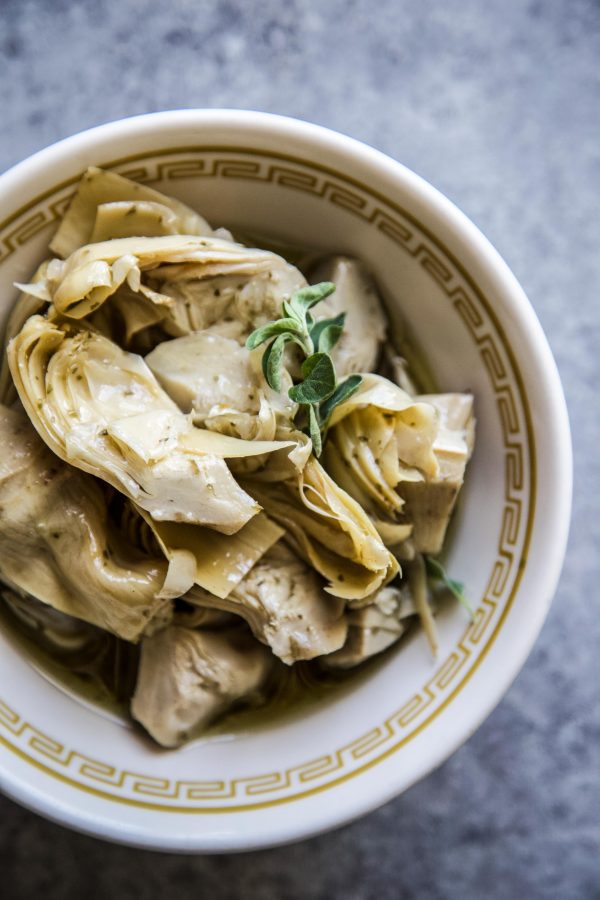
x,y
496,102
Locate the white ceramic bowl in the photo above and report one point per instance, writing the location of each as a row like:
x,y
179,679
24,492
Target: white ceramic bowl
x,y
308,185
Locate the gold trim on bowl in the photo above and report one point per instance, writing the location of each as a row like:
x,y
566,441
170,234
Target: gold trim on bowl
x,y
476,312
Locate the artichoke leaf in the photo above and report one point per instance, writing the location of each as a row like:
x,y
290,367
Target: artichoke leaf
x,y
99,188
200,440
188,677
329,529
429,504
283,602
101,409
378,441
325,499
214,562
346,579
28,304
375,627
58,543
391,532
365,322
249,426
377,391
133,218
82,282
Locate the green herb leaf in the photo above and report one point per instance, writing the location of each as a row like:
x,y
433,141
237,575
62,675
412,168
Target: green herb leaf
x,y
329,338
327,332
318,391
343,391
319,380
288,310
436,571
314,431
307,297
260,335
271,361
265,362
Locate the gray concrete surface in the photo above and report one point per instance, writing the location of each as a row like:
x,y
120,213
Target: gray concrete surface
x,y
496,102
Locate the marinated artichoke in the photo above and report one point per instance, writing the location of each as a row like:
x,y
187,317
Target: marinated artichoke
x,y
209,488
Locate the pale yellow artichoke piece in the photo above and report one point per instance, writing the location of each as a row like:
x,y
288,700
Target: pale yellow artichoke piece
x,y
415,421
235,304
128,319
58,544
129,218
101,409
221,383
416,446
379,440
374,628
27,304
392,533
215,562
98,188
365,324
429,504
283,601
207,374
82,282
329,529
87,285
187,678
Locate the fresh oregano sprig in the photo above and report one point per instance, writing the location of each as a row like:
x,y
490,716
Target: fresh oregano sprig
x,y
319,391
436,572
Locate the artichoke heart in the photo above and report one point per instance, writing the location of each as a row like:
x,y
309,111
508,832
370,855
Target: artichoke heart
x,y
429,504
402,458
188,677
234,296
328,529
108,204
28,304
56,518
379,439
101,409
365,323
80,284
284,604
221,383
374,628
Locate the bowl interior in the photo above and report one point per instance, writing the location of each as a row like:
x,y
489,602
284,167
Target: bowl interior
x,y
345,754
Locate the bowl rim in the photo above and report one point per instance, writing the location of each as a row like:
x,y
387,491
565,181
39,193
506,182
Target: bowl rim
x,y
515,301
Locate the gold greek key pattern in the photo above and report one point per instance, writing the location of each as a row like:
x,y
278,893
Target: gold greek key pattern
x,y
23,232
477,316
